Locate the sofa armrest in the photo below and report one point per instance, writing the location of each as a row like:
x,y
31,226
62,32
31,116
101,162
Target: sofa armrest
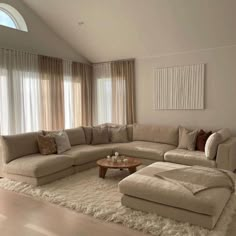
x,y
226,155
1,161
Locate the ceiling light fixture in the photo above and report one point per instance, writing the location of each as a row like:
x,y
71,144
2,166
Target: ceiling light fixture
x,y
80,23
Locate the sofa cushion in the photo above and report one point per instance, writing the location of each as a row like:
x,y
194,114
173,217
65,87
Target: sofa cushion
x,y
156,133
76,136
82,154
146,150
100,135
211,146
47,144
88,134
37,165
187,139
15,146
186,157
225,134
130,132
118,134
201,140
62,141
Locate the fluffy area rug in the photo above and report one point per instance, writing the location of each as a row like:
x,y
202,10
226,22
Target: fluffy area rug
x,y
86,193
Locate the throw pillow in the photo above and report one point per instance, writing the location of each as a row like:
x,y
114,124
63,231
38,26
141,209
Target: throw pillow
x,y
62,141
100,135
187,139
46,144
119,134
201,140
211,145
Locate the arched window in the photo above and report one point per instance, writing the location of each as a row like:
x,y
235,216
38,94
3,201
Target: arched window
x,y
11,18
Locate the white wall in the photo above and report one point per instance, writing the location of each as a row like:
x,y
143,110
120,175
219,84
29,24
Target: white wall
x,y
40,39
220,90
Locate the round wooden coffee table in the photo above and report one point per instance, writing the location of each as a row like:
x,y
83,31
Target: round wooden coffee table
x,y
105,164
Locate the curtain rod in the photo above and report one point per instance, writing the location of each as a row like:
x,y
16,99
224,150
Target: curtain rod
x,y
128,59
37,54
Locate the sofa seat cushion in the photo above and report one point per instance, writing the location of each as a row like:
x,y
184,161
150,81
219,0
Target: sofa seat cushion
x,y
186,157
146,150
209,202
37,165
83,154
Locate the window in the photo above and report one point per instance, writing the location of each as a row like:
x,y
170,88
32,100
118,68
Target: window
x,y
11,18
6,20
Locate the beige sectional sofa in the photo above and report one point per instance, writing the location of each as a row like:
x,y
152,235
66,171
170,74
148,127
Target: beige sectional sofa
x,y
21,160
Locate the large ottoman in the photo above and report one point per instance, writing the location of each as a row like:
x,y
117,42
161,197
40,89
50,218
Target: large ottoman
x,y
144,191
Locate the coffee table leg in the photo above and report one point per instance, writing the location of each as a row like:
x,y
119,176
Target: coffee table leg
x,y
132,170
102,172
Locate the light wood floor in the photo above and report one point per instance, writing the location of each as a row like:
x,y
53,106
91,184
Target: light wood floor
x,y
24,216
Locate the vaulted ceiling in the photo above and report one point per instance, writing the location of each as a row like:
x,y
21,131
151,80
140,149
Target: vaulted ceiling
x,y
118,29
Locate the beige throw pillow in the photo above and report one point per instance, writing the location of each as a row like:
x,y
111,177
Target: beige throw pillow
x,y
62,141
212,145
100,135
46,144
119,134
187,139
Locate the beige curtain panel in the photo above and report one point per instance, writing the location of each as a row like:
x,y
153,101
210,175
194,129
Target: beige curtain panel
x,y
82,76
123,91
52,93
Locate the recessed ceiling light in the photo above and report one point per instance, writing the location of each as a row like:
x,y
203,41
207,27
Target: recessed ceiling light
x,y
80,23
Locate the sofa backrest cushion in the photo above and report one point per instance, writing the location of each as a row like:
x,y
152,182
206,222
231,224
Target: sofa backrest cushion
x,y
88,132
225,134
76,136
156,133
16,146
100,135
212,145
130,132
118,134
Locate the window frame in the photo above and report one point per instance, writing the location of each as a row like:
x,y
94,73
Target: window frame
x,y
15,16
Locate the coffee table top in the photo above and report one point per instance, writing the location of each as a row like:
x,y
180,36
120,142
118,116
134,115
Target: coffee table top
x,y
132,162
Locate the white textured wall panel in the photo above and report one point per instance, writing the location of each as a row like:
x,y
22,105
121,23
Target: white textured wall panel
x,y
179,87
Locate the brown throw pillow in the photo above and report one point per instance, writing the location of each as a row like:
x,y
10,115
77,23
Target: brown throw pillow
x,y
201,140
100,135
47,144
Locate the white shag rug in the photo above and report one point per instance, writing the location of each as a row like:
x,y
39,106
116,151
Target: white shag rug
x,y
85,192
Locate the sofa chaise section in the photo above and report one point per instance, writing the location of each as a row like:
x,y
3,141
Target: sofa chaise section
x,y
172,200
23,162
37,169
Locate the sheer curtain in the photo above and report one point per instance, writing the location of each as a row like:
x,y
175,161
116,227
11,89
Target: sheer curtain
x,y
123,90
102,93
40,92
114,92
82,83
68,95
20,93
52,93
